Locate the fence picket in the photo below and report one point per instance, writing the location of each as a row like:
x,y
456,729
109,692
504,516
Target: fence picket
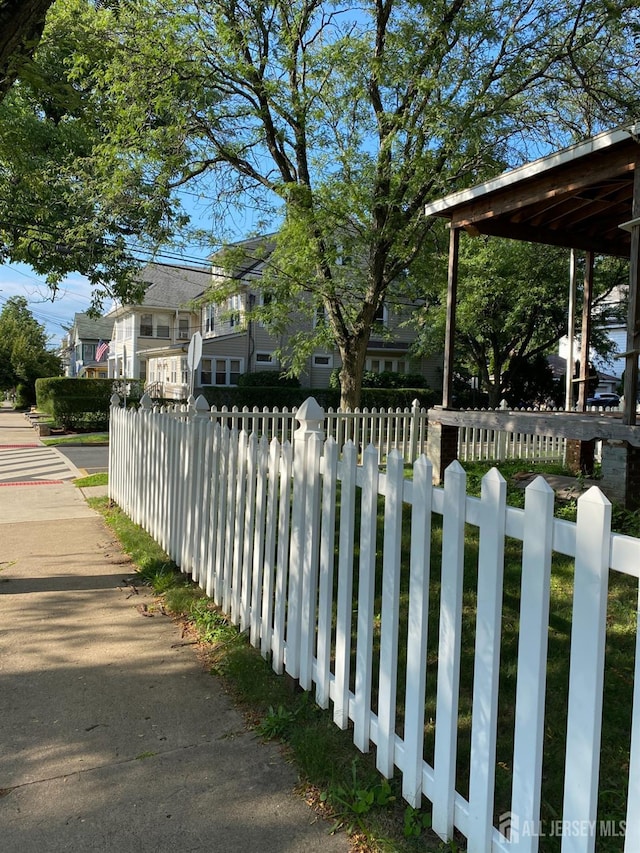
x,y
257,568
270,549
586,671
449,649
417,625
282,561
325,584
487,660
388,674
366,596
246,515
345,585
238,536
532,658
231,516
310,557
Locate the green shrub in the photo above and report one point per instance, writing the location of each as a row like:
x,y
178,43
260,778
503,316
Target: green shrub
x,y
389,379
267,379
82,404
24,396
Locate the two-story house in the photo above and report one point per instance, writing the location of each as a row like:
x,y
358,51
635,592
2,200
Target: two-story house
x,y
150,341
235,342
158,330
78,350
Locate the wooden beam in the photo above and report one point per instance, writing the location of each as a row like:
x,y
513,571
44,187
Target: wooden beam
x,y
571,331
633,315
449,341
553,184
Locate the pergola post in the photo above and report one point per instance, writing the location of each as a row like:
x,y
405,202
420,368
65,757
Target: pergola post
x,y
449,340
633,316
571,332
585,334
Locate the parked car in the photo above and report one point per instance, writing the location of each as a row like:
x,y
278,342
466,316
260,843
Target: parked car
x,y
604,400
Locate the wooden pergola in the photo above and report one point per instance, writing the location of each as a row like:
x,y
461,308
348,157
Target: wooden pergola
x,y
587,198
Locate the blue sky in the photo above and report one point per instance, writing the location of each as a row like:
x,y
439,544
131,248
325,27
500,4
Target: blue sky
x,y
74,294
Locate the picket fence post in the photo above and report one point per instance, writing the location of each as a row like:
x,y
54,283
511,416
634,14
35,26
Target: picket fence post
x,y
310,416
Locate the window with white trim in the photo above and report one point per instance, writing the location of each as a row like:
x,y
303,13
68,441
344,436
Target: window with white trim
x,y
220,371
183,328
266,358
381,317
209,313
146,325
322,360
235,310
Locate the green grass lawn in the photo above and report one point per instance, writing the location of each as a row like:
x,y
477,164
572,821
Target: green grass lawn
x,y
79,438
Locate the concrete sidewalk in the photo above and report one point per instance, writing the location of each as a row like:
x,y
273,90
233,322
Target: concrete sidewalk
x,y
112,736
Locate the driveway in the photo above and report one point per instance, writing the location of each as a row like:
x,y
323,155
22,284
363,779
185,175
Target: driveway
x,y
93,460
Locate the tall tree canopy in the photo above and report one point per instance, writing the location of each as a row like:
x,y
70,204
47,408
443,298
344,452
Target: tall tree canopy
x,y
24,356
336,122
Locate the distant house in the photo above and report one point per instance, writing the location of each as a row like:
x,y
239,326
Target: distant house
x,y
233,343
80,344
150,341
157,330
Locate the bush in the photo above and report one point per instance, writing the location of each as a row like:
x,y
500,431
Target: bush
x,y
328,398
24,396
267,379
82,404
389,379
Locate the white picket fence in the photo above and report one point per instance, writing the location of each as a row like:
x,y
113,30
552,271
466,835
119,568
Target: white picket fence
x,y
267,530
477,444
388,429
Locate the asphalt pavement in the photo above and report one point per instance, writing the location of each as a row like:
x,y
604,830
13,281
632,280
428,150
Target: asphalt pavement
x,y
113,737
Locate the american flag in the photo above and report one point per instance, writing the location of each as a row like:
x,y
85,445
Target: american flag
x,y
101,350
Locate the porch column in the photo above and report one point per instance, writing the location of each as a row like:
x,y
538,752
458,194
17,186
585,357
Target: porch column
x,y
449,340
585,336
442,445
633,316
571,333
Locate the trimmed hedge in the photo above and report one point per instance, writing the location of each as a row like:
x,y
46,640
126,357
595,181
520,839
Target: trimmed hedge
x,y
328,398
81,404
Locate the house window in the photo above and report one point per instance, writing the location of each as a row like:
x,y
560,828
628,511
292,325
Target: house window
x,y
209,316
146,326
235,310
220,371
88,352
183,328
162,327
185,371
322,361
381,317
265,358
143,369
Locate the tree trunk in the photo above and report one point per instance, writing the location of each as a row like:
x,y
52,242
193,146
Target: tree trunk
x,y
353,354
21,25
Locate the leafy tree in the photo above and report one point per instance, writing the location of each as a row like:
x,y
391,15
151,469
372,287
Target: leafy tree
x,y
512,311
337,123
56,213
343,122
24,356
